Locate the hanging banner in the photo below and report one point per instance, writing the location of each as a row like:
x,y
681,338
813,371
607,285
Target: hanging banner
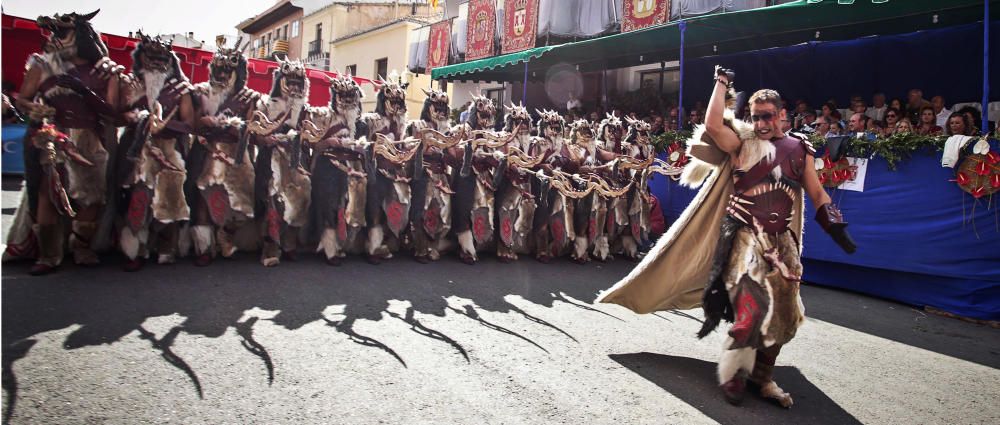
x,y
439,44
482,24
640,14
520,25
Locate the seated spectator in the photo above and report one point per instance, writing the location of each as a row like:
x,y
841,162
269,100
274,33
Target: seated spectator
x,y
828,109
974,119
892,117
857,125
959,124
786,121
657,128
903,126
672,119
821,126
878,108
897,104
694,118
594,117
927,122
937,102
915,105
806,120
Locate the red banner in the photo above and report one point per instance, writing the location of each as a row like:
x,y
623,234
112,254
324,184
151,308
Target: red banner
x,y
438,45
482,26
21,38
520,25
640,14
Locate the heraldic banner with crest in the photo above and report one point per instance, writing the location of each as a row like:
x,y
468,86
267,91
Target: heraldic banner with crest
x,y
482,24
520,25
439,45
638,14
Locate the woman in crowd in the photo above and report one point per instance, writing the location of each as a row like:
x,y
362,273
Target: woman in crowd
x,y
828,109
959,124
903,126
928,122
892,116
896,104
973,119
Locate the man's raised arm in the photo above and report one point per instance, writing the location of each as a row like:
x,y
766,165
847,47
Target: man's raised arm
x,y
725,138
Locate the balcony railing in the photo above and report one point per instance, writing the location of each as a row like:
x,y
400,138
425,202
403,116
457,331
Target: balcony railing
x,y
315,47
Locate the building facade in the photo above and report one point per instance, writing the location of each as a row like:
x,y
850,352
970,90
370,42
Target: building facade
x,y
276,32
339,19
380,52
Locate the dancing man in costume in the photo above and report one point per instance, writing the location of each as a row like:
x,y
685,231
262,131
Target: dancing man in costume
x,y
151,160
282,186
338,190
70,94
220,187
752,179
473,205
430,212
516,205
553,221
388,192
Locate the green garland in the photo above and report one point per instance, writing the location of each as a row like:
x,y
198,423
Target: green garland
x,y
893,149
662,141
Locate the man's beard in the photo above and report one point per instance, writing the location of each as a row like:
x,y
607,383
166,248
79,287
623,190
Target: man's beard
x,y
153,81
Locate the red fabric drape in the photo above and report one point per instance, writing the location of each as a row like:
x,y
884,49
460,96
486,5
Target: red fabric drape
x,y
22,37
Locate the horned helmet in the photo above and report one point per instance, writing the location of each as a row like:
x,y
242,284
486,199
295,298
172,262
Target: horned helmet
x,y
581,128
482,113
72,35
517,115
290,80
551,124
153,54
345,94
228,68
436,106
638,131
391,97
611,129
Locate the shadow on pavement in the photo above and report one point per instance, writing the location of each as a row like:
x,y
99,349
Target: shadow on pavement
x,y
108,304
693,381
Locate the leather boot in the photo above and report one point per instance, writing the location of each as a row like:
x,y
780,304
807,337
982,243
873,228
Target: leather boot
x,y
79,243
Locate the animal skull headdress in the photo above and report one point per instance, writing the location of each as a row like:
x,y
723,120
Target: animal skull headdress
x,y
638,131
436,107
550,120
581,127
72,35
290,80
482,113
392,94
228,67
345,93
154,54
517,115
610,124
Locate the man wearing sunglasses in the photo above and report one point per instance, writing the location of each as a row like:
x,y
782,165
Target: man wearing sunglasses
x,y
752,177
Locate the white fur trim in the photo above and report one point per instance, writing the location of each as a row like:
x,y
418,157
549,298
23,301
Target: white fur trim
x,y
466,244
202,237
328,243
732,361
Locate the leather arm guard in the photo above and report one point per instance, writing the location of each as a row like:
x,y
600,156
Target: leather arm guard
x,y
832,221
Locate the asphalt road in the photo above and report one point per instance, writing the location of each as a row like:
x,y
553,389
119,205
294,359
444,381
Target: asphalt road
x,y
448,343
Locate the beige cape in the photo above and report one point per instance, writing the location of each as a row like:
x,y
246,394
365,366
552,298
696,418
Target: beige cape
x,y
674,273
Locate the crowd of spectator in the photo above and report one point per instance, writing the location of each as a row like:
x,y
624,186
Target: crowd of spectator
x,y
881,117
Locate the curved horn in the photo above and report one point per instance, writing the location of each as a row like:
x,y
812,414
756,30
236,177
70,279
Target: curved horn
x,y
90,15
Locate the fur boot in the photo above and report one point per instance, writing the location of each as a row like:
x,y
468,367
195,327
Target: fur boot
x,y
201,235
50,245
79,242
